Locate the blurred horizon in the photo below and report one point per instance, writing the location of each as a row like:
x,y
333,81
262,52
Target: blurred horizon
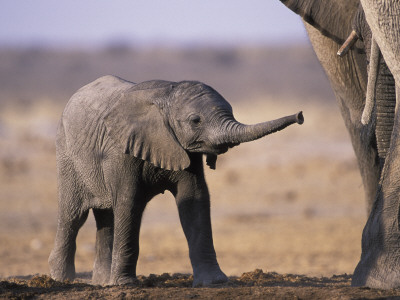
x,y
29,75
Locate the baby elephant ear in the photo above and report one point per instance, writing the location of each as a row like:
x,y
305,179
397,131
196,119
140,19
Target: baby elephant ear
x,y
136,125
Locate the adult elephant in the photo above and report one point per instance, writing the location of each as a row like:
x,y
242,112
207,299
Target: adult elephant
x,y
353,78
380,260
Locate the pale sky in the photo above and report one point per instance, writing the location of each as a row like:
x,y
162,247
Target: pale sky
x,y
181,22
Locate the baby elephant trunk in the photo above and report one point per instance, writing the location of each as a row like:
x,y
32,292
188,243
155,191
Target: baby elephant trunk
x,y
240,133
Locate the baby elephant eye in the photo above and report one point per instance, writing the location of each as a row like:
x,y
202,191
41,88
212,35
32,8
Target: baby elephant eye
x,y
195,119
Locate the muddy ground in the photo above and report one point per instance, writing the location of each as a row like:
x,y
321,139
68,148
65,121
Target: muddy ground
x,y
291,203
250,285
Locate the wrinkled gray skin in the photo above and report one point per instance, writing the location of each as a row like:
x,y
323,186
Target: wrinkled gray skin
x,y
328,24
380,260
118,145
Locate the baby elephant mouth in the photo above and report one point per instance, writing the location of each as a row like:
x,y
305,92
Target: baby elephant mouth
x,y
220,149
211,149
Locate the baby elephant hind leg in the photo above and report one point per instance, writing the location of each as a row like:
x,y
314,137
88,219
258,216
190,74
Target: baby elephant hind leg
x,y
71,217
62,257
104,244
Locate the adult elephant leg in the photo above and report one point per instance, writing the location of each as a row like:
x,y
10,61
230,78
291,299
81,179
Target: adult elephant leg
x,y
383,17
348,79
379,266
104,243
193,203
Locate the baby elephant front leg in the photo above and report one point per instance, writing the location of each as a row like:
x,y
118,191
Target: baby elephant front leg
x,y
125,252
194,213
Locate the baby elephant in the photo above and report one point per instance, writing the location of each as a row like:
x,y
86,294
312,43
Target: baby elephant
x,y
118,145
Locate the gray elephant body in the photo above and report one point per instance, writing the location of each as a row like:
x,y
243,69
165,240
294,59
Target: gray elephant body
x,y
118,145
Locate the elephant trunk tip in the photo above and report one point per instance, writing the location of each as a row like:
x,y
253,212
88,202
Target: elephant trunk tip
x,y
299,118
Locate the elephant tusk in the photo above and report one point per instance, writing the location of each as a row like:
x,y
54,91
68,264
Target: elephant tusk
x,y
350,41
371,85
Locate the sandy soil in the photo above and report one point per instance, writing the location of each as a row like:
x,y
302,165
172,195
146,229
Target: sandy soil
x,y
291,203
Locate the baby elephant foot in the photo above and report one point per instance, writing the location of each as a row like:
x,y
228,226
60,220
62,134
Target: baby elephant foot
x,y
208,277
124,280
101,271
60,270
100,277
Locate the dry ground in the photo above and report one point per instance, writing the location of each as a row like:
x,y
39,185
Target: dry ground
x,y
291,203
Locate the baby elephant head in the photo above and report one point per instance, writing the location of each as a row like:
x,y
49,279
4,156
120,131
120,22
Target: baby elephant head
x,y
162,121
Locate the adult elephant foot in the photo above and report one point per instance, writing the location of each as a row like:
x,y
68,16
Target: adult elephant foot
x,y
375,273
379,266
208,276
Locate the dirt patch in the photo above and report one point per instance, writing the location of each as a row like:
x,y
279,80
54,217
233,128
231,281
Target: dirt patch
x,y
251,285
